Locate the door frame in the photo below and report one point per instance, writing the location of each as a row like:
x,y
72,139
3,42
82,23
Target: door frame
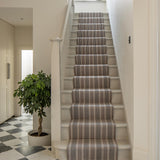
x,y
18,71
154,80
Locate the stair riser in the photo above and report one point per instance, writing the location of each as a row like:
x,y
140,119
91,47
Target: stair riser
x,y
118,114
69,72
116,98
123,154
71,60
76,21
77,16
75,27
110,50
114,84
108,35
109,42
121,133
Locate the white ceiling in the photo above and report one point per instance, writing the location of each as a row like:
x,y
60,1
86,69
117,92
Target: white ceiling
x,y
17,16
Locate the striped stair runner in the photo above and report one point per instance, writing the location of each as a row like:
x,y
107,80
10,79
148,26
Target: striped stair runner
x,y
92,128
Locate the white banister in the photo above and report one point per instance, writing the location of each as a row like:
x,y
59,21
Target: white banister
x,y
58,55
55,91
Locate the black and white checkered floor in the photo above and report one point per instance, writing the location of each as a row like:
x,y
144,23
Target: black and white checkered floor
x,y
14,141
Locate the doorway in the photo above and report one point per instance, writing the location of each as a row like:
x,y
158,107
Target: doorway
x,y
26,66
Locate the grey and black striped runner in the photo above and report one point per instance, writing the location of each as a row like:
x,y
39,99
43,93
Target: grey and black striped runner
x,y
92,131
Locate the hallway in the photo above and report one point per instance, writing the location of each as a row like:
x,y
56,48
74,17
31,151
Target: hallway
x,y
14,141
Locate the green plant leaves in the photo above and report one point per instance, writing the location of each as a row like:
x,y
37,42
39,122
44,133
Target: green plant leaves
x,y
34,93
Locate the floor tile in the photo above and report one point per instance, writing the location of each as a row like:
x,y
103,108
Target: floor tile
x,y
20,134
10,155
13,142
15,122
11,120
43,155
4,148
4,124
21,125
24,139
3,133
26,128
23,159
17,130
7,138
6,128
28,150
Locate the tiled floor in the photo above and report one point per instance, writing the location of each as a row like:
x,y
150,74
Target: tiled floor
x,y
14,141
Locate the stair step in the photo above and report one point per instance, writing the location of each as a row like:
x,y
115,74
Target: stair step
x,y
108,33
77,20
121,130
66,97
109,41
75,27
114,83
118,113
113,71
105,15
110,49
124,150
70,59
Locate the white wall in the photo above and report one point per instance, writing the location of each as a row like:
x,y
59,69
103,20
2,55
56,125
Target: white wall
x,y
138,70
121,18
6,56
141,80
48,19
159,80
23,41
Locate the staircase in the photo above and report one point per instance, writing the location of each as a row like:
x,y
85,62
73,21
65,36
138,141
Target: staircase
x,y
92,70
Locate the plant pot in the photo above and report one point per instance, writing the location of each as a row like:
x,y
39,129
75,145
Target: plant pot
x,y
39,140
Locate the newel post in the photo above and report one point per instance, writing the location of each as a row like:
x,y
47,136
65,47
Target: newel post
x,y
55,91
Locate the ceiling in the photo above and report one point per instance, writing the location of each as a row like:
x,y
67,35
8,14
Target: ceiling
x,y
17,16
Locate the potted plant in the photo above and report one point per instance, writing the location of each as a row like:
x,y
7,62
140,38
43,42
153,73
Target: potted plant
x,y
34,93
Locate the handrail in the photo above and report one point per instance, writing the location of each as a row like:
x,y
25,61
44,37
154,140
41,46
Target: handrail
x,y
67,17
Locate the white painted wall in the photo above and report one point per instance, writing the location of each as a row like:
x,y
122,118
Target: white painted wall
x,y
48,19
6,56
141,80
121,18
158,81
23,40
138,70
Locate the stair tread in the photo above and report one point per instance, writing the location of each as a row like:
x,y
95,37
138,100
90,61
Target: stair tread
x,y
122,144
73,55
114,106
118,123
110,65
92,46
76,13
75,31
90,24
71,78
90,38
90,18
112,90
